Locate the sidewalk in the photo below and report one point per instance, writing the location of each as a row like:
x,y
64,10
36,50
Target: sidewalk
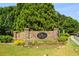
x,y
74,40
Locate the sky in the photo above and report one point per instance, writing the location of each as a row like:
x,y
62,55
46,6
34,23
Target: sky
x,y
7,4
68,9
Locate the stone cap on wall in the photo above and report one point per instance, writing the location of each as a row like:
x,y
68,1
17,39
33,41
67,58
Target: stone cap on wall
x,y
26,29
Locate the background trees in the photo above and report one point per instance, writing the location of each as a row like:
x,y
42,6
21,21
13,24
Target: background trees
x,y
36,16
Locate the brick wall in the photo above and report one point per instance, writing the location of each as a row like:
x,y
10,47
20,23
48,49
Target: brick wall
x,y
32,35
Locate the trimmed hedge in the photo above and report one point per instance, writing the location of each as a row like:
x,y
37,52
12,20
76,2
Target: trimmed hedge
x,y
5,38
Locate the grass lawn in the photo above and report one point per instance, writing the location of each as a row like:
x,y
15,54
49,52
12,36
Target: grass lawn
x,y
10,50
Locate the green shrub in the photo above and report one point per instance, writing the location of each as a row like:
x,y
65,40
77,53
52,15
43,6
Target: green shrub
x,y
63,38
5,38
19,42
64,34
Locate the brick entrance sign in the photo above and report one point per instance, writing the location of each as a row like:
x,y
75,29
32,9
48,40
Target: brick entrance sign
x,y
34,35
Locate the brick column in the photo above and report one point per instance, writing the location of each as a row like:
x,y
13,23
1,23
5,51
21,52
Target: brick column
x,y
15,35
56,33
27,33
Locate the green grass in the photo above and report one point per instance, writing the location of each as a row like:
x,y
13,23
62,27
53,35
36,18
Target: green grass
x,y
10,50
74,46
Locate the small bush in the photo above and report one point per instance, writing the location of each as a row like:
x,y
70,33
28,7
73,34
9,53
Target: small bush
x,y
5,38
64,34
19,42
63,38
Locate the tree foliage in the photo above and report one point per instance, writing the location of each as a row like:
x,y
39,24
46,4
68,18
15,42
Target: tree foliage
x,y
36,16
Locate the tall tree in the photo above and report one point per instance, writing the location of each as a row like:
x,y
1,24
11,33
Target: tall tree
x,y
36,16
